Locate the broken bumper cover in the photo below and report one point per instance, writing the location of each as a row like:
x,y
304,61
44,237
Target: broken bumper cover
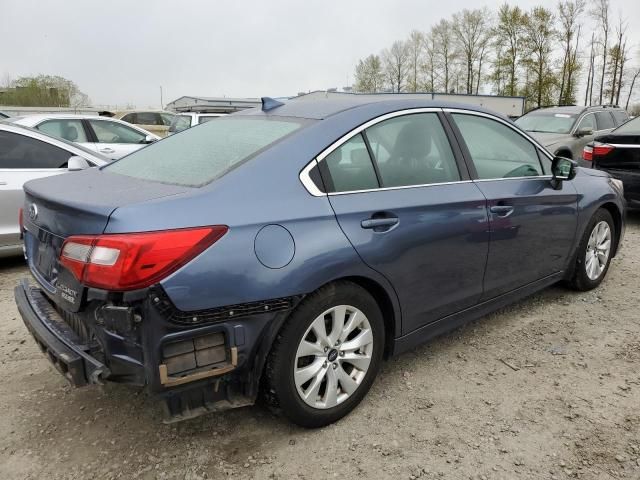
x,y
54,337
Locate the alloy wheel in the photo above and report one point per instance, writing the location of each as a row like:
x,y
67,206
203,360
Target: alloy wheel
x,y
598,250
333,357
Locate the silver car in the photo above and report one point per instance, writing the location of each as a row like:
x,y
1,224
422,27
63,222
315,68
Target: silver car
x,y
26,154
108,136
566,130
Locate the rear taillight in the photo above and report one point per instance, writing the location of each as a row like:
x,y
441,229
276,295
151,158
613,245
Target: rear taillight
x,y
129,261
597,150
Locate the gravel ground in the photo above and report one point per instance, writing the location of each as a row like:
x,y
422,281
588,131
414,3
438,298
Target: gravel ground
x,y
548,388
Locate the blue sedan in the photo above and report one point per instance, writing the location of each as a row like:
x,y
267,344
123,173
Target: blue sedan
x,y
281,253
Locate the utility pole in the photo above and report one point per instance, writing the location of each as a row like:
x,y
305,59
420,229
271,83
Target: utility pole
x,y
161,102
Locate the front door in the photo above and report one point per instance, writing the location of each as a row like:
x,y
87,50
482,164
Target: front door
x,y
404,200
532,225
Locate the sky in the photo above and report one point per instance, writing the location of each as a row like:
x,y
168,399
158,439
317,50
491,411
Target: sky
x,y
121,51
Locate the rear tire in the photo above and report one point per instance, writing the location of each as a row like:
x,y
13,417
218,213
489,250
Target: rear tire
x,y
593,256
326,356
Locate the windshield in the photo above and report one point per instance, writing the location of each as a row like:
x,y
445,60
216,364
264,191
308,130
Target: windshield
x,y
547,122
632,127
201,154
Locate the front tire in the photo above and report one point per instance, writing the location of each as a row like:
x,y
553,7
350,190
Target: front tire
x,y
326,356
594,252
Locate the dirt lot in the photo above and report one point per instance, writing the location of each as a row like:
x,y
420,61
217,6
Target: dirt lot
x,y
564,403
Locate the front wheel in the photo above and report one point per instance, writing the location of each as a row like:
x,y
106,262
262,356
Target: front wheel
x,y
326,356
594,252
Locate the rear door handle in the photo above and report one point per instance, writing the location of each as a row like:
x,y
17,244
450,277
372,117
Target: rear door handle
x,y
502,210
379,222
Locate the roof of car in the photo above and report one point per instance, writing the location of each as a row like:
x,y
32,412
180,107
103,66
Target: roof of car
x,y
574,109
319,109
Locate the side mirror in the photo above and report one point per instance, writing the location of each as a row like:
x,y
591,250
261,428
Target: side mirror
x,y
149,139
583,132
562,169
76,163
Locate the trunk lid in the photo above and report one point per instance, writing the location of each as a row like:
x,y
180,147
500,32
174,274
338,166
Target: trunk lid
x,y
77,203
625,156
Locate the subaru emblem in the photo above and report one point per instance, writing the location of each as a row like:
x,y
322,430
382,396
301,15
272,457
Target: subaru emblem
x,y
33,211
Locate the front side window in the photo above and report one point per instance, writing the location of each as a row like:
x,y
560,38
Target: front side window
x,y
180,123
207,118
588,122
604,120
200,155
112,132
71,130
412,150
496,150
166,118
350,168
20,151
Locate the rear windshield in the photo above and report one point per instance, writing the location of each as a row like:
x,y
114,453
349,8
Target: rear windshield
x,y
632,127
201,154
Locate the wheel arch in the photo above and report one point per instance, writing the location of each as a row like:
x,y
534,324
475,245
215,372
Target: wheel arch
x,y
616,214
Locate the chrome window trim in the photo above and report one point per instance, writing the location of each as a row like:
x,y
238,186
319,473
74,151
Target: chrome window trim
x,y
402,187
311,187
623,145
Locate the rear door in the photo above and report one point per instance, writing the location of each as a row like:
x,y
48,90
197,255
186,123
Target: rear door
x,y
532,225
114,139
22,158
403,198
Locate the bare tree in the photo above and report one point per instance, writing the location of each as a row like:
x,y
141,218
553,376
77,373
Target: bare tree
x,y
471,29
444,51
569,12
508,42
633,83
396,65
539,37
429,66
369,75
600,13
415,47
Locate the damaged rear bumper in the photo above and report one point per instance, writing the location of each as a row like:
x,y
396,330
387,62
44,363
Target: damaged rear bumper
x,y
57,341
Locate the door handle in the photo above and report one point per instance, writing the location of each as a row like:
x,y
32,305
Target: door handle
x,y
502,210
107,150
379,223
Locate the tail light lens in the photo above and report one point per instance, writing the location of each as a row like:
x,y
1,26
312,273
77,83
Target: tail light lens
x,y
130,261
597,150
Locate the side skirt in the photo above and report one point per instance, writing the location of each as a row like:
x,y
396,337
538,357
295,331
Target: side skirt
x,y
451,322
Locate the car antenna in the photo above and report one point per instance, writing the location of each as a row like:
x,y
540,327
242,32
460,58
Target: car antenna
x,y
269,103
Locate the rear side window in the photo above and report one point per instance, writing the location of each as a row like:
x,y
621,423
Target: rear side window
x,y
604,120
200,155
620,116
588,122
20,151
412,150
350,167
497,151
130,118
71,130
149,118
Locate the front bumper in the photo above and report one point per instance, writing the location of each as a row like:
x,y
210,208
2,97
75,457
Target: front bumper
x,y
54,337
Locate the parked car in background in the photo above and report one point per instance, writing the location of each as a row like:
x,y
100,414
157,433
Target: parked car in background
x,y
566,130
157,122
26,154
182,121
288,250
618,154
110,137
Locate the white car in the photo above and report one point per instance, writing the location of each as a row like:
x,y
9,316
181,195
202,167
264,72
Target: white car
x,y
26,154
185,120
108,136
